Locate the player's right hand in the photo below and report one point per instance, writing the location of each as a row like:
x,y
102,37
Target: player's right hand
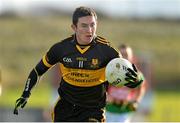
x,y
21,102
133,77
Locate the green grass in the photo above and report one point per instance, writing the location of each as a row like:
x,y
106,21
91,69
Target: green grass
x,y
166,107
40,97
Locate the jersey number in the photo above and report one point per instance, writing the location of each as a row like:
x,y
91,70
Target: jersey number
x,y
81,64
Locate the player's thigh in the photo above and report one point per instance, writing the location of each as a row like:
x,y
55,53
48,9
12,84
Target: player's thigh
x,y
60,111
94,115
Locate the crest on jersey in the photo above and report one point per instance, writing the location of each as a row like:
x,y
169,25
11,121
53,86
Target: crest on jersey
x,y
94,62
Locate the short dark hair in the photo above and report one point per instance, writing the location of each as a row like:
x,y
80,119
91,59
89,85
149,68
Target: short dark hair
x,y
81,12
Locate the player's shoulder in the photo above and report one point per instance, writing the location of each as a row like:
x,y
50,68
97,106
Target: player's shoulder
x,y
66,40
102,40
106,45
62,43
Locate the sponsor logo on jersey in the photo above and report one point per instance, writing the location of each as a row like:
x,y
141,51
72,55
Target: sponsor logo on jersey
x,y
81,58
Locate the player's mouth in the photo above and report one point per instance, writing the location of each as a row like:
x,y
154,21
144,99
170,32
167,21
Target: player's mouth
x,y
89,36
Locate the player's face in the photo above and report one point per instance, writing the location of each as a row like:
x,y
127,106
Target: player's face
x,y
85,29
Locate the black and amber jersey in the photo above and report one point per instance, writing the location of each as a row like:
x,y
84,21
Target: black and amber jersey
x,y
83,69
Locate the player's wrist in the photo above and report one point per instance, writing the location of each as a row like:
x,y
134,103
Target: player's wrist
x,y
140,77
26,94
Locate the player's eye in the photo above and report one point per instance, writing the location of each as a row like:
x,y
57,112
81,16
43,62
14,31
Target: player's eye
x,y
92,25
84,25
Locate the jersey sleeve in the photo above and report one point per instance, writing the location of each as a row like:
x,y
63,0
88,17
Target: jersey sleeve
x,y
48,60
113,53
52,56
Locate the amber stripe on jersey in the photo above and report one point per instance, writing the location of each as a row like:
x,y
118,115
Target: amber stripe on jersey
x,y
83,77
101,40
45,62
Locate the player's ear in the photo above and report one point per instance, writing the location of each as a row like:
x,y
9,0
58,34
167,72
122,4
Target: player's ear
x,y
73,27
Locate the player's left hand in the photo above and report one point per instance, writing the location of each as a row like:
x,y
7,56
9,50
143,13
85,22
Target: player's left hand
x,y
133,77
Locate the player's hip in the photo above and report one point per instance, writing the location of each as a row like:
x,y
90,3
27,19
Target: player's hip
x,y
65,111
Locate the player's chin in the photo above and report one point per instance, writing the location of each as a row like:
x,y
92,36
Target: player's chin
x,y
87,41
89,38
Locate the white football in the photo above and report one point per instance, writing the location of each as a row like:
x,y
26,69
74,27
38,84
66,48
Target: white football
x,y
115,71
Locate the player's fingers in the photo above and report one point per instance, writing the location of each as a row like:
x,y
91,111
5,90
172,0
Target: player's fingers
x,y
17,101
130,76
141,81
132,72
129,80
128,84
18,104
15,111
134,67
134,85
22,106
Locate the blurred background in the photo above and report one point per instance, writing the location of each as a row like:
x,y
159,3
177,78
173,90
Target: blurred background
x,y
28,28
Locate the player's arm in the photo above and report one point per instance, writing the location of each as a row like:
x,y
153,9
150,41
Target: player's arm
x,y
33,78
45,63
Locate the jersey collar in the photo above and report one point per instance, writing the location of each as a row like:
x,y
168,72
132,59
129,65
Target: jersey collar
x,y
74,41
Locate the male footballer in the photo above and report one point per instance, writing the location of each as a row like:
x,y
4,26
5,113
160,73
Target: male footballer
x,y
83,57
